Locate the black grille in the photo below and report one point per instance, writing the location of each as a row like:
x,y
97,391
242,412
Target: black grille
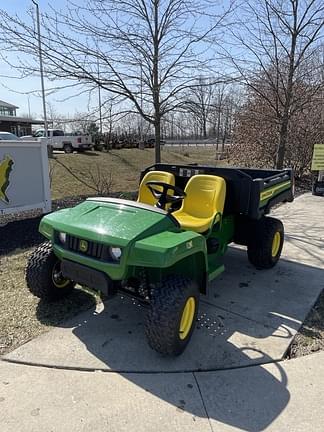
x,y
94,249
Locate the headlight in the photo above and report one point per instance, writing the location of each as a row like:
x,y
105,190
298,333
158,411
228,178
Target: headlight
x,y
62,237
115,253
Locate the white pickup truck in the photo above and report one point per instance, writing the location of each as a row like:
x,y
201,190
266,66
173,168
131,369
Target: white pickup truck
x,y
59,141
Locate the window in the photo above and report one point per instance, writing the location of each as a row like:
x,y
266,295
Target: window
x,y
39,134
8,112
13,130
58,133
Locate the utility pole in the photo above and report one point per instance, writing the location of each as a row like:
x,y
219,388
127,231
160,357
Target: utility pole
x,y
99,101
41,67
29,107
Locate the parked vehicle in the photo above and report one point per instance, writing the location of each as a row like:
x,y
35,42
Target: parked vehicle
x,y
7,136
150,142
166,247
59,141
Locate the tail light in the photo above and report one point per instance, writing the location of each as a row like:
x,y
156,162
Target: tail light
x,y
79,140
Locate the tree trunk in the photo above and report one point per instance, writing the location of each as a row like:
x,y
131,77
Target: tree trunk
x,y
157,128
204,128
289,93
282,143
156,87
218,129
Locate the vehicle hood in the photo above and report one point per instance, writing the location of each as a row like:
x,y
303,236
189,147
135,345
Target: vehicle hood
x,y
109,220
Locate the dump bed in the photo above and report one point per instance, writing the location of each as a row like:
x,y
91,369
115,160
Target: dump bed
x,y
249,192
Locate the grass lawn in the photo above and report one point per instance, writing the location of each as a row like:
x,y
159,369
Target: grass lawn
x,y
22,315
124,165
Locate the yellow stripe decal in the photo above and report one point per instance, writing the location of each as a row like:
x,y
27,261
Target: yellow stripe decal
x,y
268,193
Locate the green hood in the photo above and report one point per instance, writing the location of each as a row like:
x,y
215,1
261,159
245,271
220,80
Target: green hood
x,y
108,220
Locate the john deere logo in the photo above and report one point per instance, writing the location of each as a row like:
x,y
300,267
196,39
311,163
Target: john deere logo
x,y
83,246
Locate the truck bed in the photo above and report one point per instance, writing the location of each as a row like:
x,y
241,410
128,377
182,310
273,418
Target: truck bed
x,y
249,192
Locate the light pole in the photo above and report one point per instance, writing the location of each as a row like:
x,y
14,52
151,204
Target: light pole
x,y
99,100
41,67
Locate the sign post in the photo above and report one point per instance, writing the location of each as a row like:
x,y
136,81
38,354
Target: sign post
x,y
318,165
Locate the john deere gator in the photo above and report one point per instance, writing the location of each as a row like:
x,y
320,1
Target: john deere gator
x,y
164,248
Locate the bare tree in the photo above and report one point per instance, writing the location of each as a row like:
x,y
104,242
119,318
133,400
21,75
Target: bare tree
x,y
199,103
147,51
278,38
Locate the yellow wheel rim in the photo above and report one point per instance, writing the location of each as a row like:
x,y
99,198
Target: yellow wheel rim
x,y
275,244
188,314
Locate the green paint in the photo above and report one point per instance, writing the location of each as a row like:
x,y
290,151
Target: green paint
x,y
213,273
149,239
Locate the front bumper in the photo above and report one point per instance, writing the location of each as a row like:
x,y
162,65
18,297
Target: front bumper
x,y
87,276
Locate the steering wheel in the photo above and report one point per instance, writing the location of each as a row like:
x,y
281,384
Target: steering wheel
x,y
162,196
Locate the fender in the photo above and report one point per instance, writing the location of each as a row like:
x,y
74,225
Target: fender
x,y
165,249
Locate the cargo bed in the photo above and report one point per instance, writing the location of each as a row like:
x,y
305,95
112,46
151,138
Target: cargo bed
x,y
249,192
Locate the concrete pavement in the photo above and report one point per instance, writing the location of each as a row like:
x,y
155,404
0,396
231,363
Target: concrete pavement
x,y
285,396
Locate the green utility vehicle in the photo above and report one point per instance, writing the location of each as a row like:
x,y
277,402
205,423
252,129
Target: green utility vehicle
x,y
164,248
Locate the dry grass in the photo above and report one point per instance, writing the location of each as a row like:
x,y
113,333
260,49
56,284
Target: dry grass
x,y
22,315
124,165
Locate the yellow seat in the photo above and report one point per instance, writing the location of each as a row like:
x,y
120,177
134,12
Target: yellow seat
x,y
205,199
144,194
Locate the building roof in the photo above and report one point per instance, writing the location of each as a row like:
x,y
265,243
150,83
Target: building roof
x,y
7,105
14,119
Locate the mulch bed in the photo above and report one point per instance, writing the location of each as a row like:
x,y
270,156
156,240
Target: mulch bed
x,y
310,337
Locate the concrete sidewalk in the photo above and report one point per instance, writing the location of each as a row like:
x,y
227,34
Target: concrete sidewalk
x,y
284,396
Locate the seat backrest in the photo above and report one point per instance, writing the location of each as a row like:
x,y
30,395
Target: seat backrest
x,y
144,194
205,196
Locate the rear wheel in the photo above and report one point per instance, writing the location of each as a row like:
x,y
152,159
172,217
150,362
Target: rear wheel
x,y
265,242
172,315
43,275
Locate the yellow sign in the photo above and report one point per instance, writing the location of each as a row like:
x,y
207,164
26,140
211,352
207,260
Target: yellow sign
x,y
318,158
5,170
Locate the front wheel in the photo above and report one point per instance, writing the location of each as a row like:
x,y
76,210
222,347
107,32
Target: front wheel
x,y
172,315
265,242
43,275
68,148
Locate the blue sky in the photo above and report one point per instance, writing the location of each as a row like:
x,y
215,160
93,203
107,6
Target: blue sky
x,y
11,89
15,90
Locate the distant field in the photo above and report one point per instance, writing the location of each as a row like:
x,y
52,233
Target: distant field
x,y
124,165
